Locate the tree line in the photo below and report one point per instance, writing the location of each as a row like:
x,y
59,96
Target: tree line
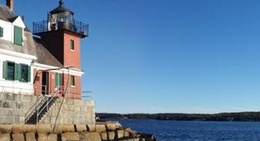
x,y
241,116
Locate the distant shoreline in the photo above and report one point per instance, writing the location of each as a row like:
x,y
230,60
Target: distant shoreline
x,y
235,116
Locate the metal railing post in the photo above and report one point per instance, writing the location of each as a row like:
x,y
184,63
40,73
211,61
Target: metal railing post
x,y
45,90
37,115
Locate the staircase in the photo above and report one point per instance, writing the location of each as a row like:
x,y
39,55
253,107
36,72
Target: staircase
x,y
39,109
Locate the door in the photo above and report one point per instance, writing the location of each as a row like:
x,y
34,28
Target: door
x,y
45,82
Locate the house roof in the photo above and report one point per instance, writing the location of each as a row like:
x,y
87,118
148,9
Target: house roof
x,y
6,14
27,48
32,46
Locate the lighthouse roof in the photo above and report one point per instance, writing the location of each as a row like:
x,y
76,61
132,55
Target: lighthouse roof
x,y
61,9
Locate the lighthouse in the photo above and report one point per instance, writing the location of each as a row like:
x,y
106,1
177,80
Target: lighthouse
x,y
62,34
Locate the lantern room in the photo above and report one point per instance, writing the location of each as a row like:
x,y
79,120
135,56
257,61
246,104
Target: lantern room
x,y
60,18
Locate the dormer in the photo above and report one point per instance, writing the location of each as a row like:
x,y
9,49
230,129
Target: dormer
x,y
18,31
12,29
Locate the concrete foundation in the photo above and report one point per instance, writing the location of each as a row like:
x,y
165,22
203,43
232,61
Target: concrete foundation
x,y
13,108
70,111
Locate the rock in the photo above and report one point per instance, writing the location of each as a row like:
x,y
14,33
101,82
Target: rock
x,y
18,137
42,137
47,137
111,135
72,136
118,125
6,128
127,134
91,127
104,136
135,139
130,132
52,137
120,133
43,128
81,128
100,128
92,136
5,137
17,128
132,139
30,136
111,126
64,128
29,128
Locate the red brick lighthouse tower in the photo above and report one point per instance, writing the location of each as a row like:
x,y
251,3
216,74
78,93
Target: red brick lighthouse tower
x,y
61,34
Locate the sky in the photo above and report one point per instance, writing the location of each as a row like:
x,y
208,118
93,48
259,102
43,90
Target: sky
x,y
161,56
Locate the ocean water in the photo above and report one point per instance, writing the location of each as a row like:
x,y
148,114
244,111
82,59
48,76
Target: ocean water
x,y
196,130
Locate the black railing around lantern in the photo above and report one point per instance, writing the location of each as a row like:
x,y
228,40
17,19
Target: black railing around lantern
x,y
75,26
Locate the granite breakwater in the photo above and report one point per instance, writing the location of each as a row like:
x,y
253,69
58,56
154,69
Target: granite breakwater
x,y
106,131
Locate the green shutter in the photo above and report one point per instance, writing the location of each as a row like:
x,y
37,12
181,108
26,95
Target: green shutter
x,y
58,79
25,73
1,32
5,69
18,35
29,74
72,80
17,74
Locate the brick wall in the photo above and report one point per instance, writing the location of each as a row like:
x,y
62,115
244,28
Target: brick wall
x,y
58,43
71,57
72,91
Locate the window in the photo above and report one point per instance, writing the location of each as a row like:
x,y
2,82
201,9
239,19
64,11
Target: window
x,y
1,32
58,79
25,71
72,80
72,45
18,35
8,70
13,71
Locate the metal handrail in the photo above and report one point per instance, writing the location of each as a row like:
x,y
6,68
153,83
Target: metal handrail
x,y
36,105
46,105
87,95
39,106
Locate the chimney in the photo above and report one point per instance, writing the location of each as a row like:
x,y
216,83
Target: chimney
x,y
10,4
